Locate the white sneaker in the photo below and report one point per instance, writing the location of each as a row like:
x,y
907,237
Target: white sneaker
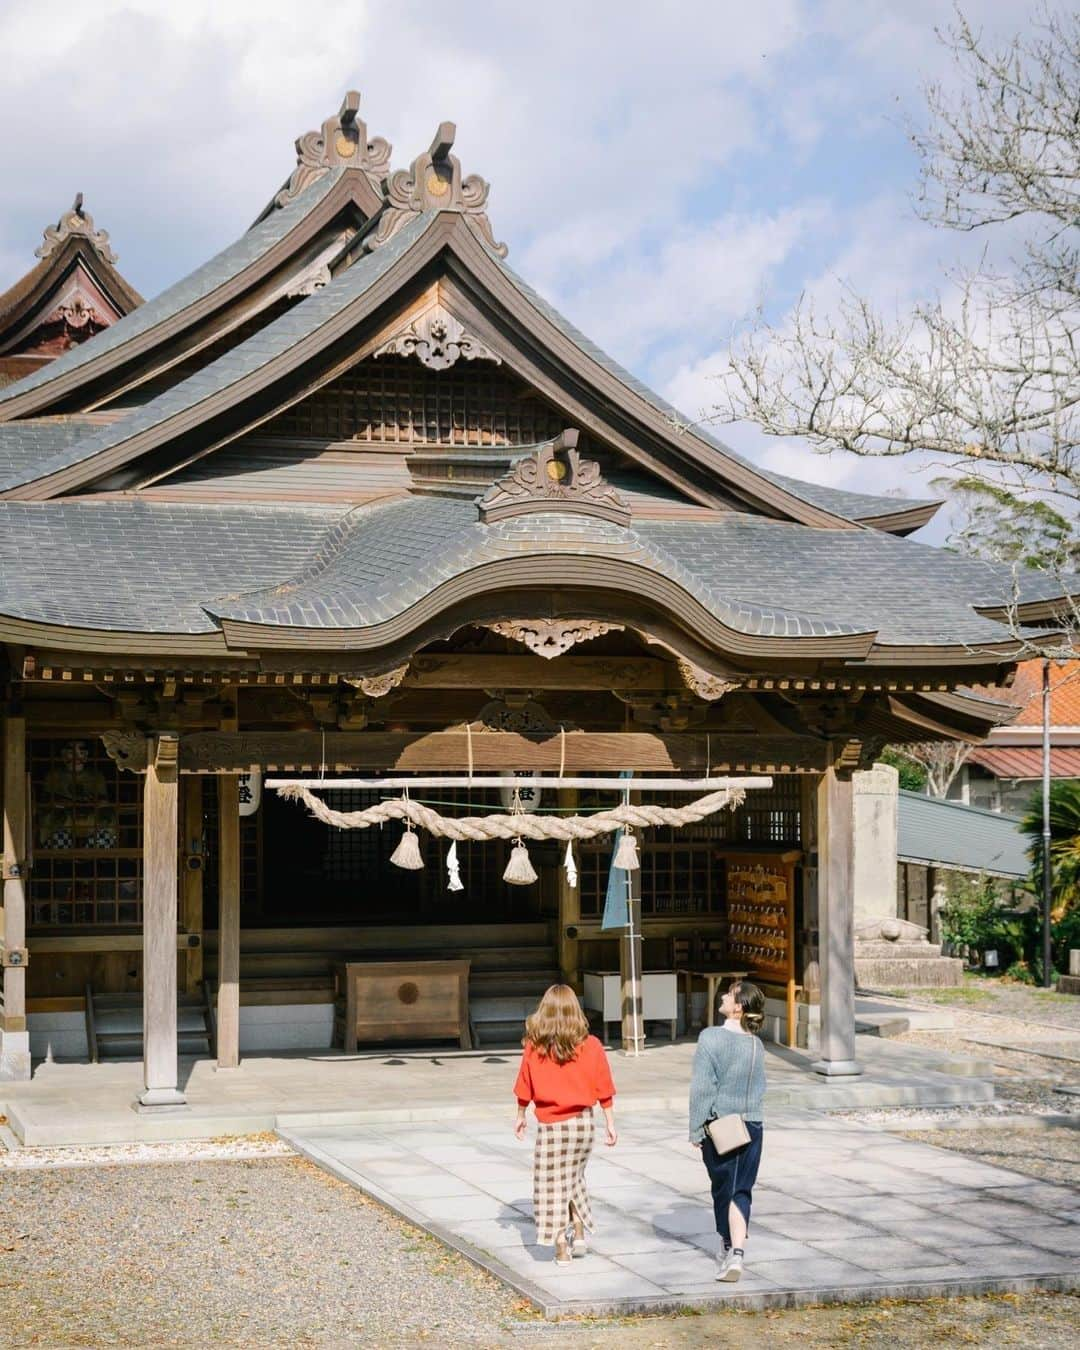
x,y
732,1269
723,1256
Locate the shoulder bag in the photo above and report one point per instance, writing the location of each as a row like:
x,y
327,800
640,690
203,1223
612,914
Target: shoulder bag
x,y
729,1132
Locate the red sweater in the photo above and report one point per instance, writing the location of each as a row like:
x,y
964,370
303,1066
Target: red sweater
x,y
563,1090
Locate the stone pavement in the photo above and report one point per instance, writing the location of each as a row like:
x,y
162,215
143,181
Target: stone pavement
x,y
83,1104
842,1212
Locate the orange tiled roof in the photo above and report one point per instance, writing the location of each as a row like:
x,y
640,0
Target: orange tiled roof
x,y
1025,761
1064,694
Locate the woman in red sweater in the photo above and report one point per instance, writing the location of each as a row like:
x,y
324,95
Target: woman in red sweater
x,y
564,1073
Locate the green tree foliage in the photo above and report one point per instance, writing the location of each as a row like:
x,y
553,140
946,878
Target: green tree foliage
x,y
912,775
993,523
1064,844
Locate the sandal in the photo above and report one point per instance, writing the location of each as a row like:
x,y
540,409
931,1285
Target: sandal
x,y
563,1252
578,1245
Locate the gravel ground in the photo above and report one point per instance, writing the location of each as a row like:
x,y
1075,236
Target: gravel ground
x,y
247,1253
1031,1019
263,1252
1051,1154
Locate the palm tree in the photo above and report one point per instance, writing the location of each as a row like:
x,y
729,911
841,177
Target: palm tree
x,y
1064,843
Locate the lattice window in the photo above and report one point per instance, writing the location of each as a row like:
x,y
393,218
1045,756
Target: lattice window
x,y
250,855
682,869
362,857
398,401
86,822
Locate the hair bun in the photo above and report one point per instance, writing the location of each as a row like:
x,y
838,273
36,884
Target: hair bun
x,y
753,1021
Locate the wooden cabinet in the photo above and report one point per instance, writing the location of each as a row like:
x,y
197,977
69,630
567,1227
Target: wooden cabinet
x,y
401,1000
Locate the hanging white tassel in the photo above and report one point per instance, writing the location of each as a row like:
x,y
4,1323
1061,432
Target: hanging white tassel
x,y
571,866
453,869
519,870
626,855
407,853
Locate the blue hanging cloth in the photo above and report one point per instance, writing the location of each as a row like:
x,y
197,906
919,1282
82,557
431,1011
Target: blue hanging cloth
x,y
617,897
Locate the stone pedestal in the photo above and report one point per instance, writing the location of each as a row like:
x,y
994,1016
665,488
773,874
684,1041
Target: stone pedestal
x,y
14,1056
875,803
894,954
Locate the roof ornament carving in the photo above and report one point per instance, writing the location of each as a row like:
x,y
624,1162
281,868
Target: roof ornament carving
x,y
554,478
704,683
71,223
438,341
552,637
378,686
434,183
342,143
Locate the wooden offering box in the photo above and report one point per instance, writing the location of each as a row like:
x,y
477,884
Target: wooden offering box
x,y
761,920
401,1000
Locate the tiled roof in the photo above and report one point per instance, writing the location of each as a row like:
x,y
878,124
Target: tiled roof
x,y
847,505
1025,761
1064,694
277,337
205,279
129,565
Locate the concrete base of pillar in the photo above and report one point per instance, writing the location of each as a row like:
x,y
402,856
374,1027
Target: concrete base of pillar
x,y
14,1056
161,1099
837,1068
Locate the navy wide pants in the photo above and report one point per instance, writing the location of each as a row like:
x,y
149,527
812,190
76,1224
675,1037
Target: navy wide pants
x,y
732,1177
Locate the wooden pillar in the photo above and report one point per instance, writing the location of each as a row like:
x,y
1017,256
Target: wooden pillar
x,y
836,917
569,915
191,883
160,821
630,955
14,1037
228,996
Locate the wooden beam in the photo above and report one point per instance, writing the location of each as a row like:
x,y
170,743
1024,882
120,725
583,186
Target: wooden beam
x,y
14,1037
569,900
160,821
491,751
836,917
483,671
191,877
228,997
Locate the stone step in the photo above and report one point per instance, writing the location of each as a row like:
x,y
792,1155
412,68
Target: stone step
x,y
896,951
942,972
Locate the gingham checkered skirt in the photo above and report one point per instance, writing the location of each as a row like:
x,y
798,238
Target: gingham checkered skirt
x,y
562,1151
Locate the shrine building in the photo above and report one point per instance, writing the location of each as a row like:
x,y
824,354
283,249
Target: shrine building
x,y
352,501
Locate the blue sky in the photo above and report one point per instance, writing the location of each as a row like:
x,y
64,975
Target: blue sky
x,y
658,169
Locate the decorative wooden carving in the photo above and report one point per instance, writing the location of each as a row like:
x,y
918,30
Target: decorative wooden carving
x,y
76,221
342,143
555,478
126,748
703,683
378,686
310,281
552,637
525,716
438,341
434,183
668,712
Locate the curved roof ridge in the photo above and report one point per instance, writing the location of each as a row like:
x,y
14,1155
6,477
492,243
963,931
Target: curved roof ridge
x,y
205,279
278,336
836,501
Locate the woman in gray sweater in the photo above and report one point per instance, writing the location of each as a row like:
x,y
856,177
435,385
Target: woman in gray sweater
x,y
729,1079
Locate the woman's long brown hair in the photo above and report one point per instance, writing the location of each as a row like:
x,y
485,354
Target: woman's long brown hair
x,y
558,1026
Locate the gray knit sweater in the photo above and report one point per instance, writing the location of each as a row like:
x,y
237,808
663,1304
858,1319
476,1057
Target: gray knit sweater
x,y
728,1078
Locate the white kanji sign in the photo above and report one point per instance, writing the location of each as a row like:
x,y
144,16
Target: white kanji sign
x,y
249,790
